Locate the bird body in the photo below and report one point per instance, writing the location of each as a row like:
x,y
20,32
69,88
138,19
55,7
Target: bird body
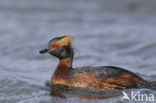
x,y
103,77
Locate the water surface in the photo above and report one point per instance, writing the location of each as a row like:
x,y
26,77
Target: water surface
x,y
119,33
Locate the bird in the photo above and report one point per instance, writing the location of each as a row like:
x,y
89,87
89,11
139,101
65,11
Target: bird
x,y
86,77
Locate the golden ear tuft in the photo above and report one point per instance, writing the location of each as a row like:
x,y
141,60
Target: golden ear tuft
x,y
67,36
66,40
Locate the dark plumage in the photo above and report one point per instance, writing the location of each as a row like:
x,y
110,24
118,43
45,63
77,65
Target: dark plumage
x,y
99,72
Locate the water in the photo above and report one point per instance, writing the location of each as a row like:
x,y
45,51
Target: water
x,y
118,33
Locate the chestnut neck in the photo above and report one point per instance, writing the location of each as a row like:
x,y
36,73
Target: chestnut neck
x,y
66,62
63,69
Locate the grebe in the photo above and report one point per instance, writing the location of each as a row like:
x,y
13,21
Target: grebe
x,y
100,78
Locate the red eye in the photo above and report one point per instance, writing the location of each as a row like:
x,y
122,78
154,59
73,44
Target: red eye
x,y
56,46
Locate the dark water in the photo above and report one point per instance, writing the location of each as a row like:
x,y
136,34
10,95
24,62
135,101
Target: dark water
x,y
118,33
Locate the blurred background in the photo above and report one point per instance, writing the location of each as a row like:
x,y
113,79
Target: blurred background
x,y
107,32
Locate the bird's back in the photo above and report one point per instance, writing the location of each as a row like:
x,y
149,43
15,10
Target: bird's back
x,y
105,77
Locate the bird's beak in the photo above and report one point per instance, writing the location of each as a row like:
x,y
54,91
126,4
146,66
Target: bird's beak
x,y
43,51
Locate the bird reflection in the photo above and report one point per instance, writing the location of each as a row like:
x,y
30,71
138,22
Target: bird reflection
x,y
65,91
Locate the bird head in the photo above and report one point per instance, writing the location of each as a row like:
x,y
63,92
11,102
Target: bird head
x,y
60,47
